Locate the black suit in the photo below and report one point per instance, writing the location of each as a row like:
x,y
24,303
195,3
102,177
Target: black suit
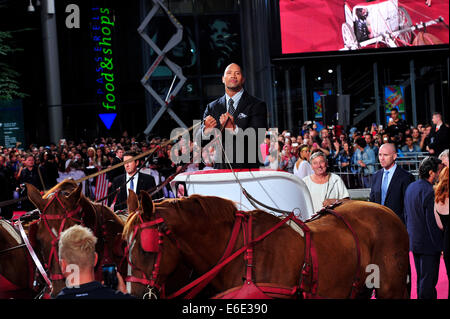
x,y
396,190
250,113
439,139
145,182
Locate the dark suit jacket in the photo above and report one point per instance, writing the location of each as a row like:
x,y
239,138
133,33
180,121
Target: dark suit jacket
x,y
439,139
396,190
145,182
250,113
424,235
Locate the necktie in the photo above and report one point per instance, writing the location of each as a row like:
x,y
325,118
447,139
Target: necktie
x,y
231,108
132,183
384,187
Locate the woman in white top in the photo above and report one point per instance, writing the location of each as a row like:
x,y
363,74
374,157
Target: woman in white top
x,y
325,188
302,168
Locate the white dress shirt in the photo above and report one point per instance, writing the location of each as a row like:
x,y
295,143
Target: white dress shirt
x,y
391,173
135,181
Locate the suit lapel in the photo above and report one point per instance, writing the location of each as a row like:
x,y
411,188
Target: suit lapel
x,y
223,106
139,184
394,177
241,105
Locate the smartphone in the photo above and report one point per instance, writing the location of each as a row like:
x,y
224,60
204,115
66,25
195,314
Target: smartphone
x,y
110,276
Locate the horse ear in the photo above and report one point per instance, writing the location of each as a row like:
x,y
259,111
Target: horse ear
x,y
35,196
74,197
147,203
132,201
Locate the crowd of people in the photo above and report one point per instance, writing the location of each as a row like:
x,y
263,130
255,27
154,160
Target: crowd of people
x,y
314,153
353,152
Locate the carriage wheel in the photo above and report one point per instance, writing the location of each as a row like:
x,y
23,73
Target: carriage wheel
x,y
404,22
349,37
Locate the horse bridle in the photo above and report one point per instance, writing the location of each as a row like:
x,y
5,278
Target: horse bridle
x,y
156,237
55,238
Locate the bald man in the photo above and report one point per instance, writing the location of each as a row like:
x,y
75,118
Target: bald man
x,y
236,111
389,183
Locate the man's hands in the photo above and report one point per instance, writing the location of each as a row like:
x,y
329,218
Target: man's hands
x,y
229,124
211,123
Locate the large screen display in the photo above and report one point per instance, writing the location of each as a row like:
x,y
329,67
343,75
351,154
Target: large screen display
x,y
334,25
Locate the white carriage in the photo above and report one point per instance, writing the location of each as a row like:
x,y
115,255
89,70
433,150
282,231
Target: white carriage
x,y
277,189
389,24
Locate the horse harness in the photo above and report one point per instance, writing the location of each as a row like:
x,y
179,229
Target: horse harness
x,y
70,215
152,239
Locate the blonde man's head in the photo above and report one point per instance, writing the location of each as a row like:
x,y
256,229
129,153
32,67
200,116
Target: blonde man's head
x,y
77,246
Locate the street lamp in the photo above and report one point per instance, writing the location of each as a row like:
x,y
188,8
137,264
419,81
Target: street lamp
x,y
30,7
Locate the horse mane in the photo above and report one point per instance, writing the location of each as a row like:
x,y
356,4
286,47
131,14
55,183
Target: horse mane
x,y
69,185
187,208
131,222
65,185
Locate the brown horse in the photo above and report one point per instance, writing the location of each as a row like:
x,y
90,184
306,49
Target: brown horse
x,y
16,267
196,230
64,206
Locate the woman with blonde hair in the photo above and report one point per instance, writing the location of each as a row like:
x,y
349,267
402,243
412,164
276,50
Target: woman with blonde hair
x,y
91,157
441,214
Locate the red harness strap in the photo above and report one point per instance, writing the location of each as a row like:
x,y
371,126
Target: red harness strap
x,y
231,243
309,273
249,252
152,282
310,266
220,265
46,218
7,285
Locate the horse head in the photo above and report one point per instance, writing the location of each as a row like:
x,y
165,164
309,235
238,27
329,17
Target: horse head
x,y
61,207
153,253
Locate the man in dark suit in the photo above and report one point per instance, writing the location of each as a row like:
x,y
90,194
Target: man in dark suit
x,y
236,112
439,136
425,237
389,183
129,180
118,158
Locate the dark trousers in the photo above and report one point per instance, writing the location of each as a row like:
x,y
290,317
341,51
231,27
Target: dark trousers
x,y
427,268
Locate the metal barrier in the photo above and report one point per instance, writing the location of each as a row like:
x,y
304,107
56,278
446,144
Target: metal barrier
x,y
408,161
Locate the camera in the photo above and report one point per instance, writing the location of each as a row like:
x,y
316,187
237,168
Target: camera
x,y
110,276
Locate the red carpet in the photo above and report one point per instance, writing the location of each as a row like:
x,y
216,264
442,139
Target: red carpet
x,y
442,286
315,25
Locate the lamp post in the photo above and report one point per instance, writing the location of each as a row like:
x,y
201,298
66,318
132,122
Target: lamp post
x,y
52,77
51,65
